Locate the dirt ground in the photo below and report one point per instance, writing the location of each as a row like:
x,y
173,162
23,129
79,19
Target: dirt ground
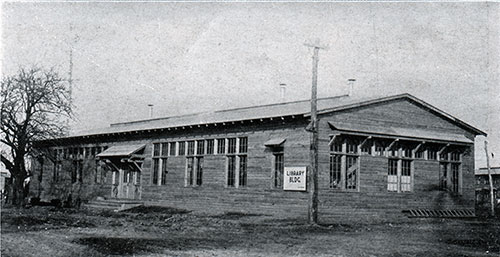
x,y
159,231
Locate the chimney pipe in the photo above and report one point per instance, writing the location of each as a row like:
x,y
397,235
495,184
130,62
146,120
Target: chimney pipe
x,y
150,110
350,83
282,91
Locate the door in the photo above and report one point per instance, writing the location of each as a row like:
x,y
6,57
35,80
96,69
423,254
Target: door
x,y
126,184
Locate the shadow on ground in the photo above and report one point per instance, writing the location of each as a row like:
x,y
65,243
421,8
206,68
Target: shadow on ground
x,y
130,246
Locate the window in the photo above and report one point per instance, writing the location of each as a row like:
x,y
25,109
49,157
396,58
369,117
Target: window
x,y
449,172
57,170
351,177
221,146
164,171
336,146
160,151
278,170
156,168
419,154
200,147
455,177
405,175
172,148
210,146
98,170
366,148
392,176
231,145
431,154
379,149
156,149
243,170
406,151
443,176
243,145
199,171
335,170
77,172
164,149
231,170
399,175
344,164
190,170
443,156
190,150
182,148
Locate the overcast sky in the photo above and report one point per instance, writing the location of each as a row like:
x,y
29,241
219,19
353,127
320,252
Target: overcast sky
x,y
193,57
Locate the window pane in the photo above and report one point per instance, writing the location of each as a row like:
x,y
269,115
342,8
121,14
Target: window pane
x,y
243,170
352,146
431,154
278,170
443,174
172,149
190,148
164,171
351,177
156,167
392,176
200,147
156,149
231,145
231,170
335,170
336,145
455,177
190,169
221,146
164,149
182,148
243,145
405,175
210,146
199,171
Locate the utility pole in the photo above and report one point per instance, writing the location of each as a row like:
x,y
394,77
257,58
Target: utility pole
x,y
313,128
492,194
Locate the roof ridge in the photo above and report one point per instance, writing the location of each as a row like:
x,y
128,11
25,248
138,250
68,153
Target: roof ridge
x,y
221,111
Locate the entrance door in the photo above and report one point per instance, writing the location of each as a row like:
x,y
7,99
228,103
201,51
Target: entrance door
x,y
126,184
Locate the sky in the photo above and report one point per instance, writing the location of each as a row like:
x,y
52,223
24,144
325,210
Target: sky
x,y
197,57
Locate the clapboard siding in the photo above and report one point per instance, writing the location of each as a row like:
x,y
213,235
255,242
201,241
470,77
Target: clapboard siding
x,y
371,202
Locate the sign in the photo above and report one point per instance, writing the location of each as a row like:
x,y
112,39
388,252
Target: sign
x,y
294,178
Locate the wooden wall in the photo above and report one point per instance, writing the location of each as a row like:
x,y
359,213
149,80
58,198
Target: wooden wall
x,y
372,202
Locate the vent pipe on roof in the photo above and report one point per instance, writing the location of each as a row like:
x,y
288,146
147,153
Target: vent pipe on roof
x,y
282,91
150,110
350,83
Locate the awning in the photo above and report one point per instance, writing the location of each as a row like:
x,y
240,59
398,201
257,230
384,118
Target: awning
x,y
275,142
121,150
404,133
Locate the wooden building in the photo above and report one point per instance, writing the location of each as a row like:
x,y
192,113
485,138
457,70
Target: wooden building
x,y
377,157
483,200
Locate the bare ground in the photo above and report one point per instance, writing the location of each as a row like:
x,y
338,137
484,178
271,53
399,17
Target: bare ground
x,y
160,231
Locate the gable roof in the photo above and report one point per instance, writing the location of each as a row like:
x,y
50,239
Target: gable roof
x,y
296,108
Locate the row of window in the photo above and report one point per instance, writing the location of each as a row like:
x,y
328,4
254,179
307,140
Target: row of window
x,y
235,150
77,172
392,148
201,147
344,164
77,152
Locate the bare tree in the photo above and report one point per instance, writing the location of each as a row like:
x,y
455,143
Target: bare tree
x,y
35,105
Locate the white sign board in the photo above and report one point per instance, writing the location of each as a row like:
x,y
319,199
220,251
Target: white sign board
x,y
295,178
